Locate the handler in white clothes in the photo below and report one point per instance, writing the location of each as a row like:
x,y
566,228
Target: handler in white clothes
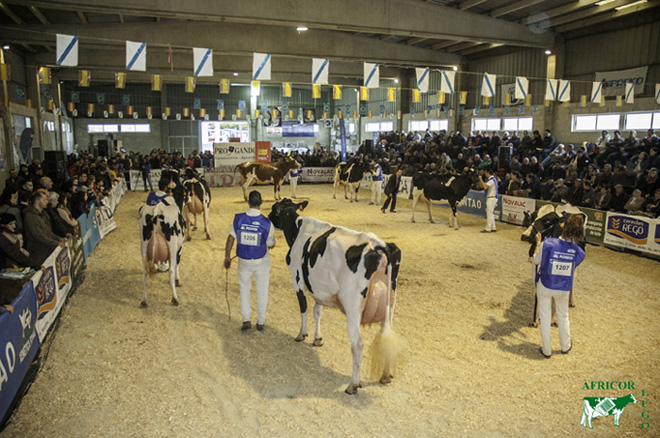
x,y
490,186
255,236
376,184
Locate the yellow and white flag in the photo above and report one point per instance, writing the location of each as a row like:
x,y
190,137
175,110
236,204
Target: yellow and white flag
x,y
120,80
316,91
336,92
463,100
190,84
364,93
286,89
391,94
224,86
441,97
84,77
371,75
416,95
488,85
156,82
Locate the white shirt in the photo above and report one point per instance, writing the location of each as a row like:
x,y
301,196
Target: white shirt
x,y
270,242
490,192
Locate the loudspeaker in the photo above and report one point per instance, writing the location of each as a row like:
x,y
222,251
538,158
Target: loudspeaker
x,y
504,155
368,147
103,148
55,164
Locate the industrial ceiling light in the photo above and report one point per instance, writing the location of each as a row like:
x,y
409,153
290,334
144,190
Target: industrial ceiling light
x,y
301,28
6,47
235,73
455,68
548,52
396,80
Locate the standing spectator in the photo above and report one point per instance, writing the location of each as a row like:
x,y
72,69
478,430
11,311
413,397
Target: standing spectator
x,y
490,186
146,174
255,235
557,259
41,241
391,190
293,179
376,183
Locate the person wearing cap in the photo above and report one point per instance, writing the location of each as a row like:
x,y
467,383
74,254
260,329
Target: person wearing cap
x,y
12,253
490,186
254,235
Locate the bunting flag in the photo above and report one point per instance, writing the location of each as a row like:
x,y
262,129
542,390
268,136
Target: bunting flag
x,y
316,91
416,95
239,113
371,75
583,100
126,99
310,114
50,105
221,104
197,103
168,111
290,114
364,93
105,114
129,110
120,80
70,107
447,81
6,101
28,103
135,115
463,100
100,98
202,113
224,86
340,114
274,113
202,62
5,72
422,79
657,93
111,109
370,113
257,113
564,91
602,101
190,84
391,94
44,75
67,50
551,90
286,89
20,92
441,97
150,112
320,71
221,114
486,100
136,56
186,112
475,111
336,92
90,108
84,77
528,99
522,86
488,85
630,93
261,67
619,101
596,91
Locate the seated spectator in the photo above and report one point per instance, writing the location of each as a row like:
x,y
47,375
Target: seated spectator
x,y
535,167
41,241
576,193
45,183
619,199
560,191
611,147
9,204
79,203
26,186
588,195
650,183
549,142
486,163
603,199
635,203
515,185
546,189
557,171
652,205
607,176
531,186
524,167
599,145
12,253
580,161
58,225
624,177
555,155
13,179
65,213
639,164
649,142
593,176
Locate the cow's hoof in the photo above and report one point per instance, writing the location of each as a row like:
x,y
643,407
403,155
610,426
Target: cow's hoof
x,y
194,228
177,283
386,379
571,304
143,304
300,338
432,221
352,389
208,237
175,302
188,239
318,342
334,197
533,324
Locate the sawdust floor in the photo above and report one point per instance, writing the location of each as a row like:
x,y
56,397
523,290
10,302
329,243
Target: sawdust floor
x,y
472,366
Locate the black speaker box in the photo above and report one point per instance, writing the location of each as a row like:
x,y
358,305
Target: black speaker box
x,y
55,166
504,155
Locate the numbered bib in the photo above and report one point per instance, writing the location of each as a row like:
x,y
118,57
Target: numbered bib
x,y
249,239
561,268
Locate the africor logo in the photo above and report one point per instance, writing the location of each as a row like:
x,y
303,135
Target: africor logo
x,y
603,407
633,230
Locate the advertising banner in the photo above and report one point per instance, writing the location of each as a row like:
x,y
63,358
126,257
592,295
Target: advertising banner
x,y
51,288
77,257
262,151
475,203
105,220
317,174
514,208
18,345
90,231
229,155
137,182
221,177
614,82
633,232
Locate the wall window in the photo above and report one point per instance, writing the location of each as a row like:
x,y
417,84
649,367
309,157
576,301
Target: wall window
x,y
595,122
49,125
351,128
439,125
110,128
418,125
379,127
642,121
518,124
486,124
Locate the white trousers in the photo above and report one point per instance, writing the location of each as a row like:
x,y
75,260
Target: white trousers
x,y
490,213
260,269
294,184
376,190
545,297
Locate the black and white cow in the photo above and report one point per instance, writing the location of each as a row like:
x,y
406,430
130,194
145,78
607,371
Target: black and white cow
x,y
594,407
547,221
350,175
343,269
162,229
198,199
430,187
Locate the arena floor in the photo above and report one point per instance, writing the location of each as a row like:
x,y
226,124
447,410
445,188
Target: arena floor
x,y
472,366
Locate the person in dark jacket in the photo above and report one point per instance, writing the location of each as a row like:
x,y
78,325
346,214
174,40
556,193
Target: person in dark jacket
x,y
619,199
391,190
41,241
12,253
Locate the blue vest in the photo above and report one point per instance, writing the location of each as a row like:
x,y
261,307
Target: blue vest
x,y
558,263
154,199
251,235
494,187
294,173
378,176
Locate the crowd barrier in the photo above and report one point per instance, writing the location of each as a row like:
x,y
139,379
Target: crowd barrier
x,y
39,302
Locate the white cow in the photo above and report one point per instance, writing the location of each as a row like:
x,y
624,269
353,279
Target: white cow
x,y
162,230
343,269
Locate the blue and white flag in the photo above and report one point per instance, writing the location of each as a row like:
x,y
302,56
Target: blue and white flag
x,y
320,71
423,79
596,92
551,89
136,56
202,62
67,50
488,85
657,93
371,75
522,85
261,67
564,91
630,93
447,81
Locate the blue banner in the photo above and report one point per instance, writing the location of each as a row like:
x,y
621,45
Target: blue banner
x,y
296,129
90,231
18,345
342,133
475,203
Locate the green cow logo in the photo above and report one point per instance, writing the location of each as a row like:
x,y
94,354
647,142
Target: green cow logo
x,y
603,407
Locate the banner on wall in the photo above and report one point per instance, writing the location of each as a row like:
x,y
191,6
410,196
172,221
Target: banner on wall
x,y
514,208
262,151
475,203
595,230
105,220
317,174
633,232
229,155
614,82
90,231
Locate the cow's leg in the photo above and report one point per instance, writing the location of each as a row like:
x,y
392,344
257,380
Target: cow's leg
x,y
206,222
353,325
275,190
346,189
302,302
186,216
430,207
334,191
357,188
318,338
414,204
455,218
145,277
195,224
174,271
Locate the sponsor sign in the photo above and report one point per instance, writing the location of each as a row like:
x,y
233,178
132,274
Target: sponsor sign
x,y
514,208
18,345
614,82
229,155
105,220
221,177
317,174
475,203
137,182
262,149
508,93
51,288
89,231
632,232
595,229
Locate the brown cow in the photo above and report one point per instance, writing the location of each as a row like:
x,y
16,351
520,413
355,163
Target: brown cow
x,y
264,173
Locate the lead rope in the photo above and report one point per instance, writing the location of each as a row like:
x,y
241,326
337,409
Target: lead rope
x,y
227,289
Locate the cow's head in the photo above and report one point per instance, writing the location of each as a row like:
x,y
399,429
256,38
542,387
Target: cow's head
x,y
294,163
474,178
542,221
192,173
283,215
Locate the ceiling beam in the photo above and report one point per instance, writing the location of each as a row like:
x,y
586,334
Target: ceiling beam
x,y
609,16
561,10
513,7
37,13
587,13
444,45
82,17
397,17
480,48
413,41
462,46
464,6
11,14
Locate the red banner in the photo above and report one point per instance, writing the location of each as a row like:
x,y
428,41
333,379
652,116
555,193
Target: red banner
x,y
262,151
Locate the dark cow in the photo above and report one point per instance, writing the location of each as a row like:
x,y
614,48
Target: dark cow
x,y
162,232
265,173
350,175
198,201
343,269
453,188
548,222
